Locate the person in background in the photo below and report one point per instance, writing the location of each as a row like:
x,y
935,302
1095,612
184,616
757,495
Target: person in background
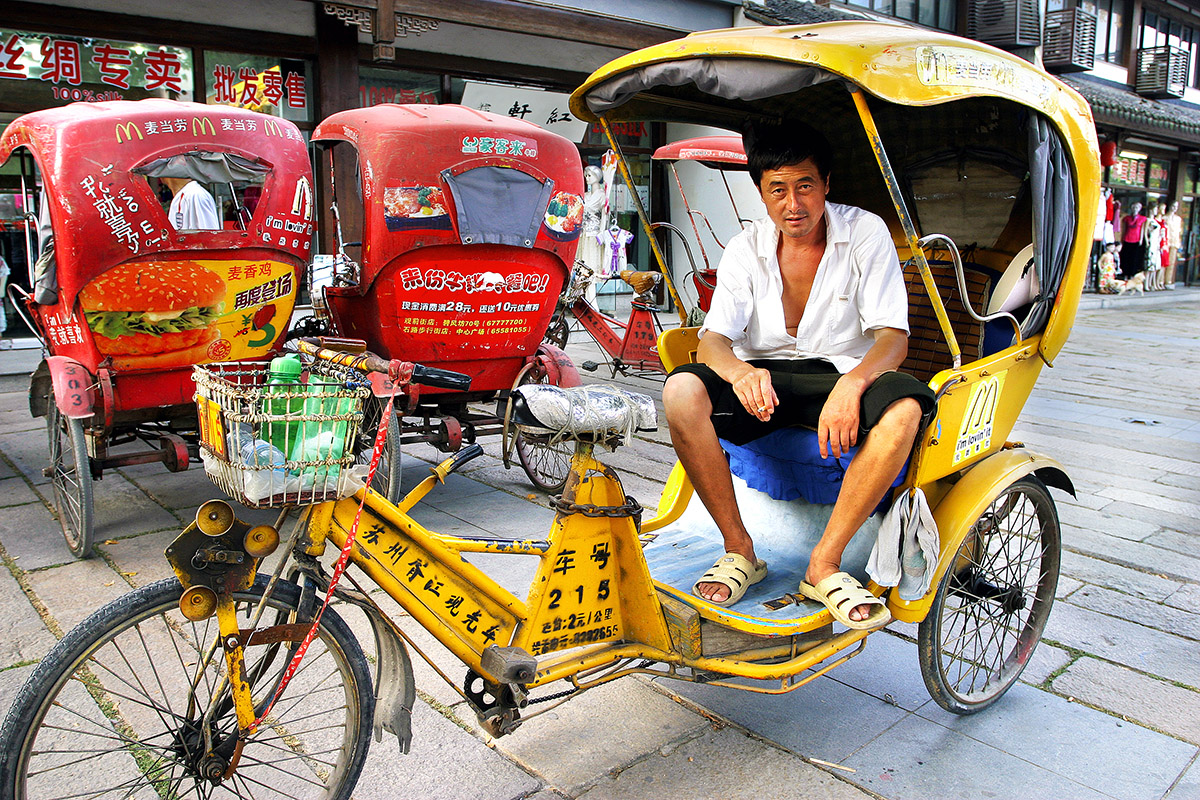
x,y
192,207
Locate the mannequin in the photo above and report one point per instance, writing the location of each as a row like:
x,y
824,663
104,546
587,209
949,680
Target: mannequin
x,y
1153,238
595,220
1174,242
1133,244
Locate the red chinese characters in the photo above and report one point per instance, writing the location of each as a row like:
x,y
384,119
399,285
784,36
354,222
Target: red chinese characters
x,y
10,64
60,62
163,69
113,65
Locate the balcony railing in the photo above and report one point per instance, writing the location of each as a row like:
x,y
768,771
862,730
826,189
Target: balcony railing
x,y
1161,72
1069,41
1004,23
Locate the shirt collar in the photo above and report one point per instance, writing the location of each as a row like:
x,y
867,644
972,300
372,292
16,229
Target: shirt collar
x,y
837,231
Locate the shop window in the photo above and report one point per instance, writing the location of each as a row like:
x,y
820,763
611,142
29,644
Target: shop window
x,y
280,87
941,14
378,86
44,70
1110,26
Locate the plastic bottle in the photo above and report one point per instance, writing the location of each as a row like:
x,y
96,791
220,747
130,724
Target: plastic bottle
x,y
319,441
283,377
264,474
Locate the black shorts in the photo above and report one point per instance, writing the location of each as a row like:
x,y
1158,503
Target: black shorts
x,y
803,387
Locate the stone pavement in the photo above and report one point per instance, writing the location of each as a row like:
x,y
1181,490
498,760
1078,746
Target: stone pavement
x,y
1110,707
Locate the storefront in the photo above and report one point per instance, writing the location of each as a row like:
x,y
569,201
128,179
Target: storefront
x,y
303,61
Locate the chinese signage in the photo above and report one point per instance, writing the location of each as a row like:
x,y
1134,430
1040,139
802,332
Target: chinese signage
x,y
280,87
398,86
1129,169
548,110
54,69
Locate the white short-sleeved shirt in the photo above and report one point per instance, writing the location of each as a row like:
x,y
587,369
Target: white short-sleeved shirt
x,y
193,209
858,288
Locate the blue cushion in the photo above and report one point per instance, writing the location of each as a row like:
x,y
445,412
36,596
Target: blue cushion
x,y
787,465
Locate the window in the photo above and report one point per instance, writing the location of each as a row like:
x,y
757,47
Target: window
x,y
1110,27
1159,31
930,13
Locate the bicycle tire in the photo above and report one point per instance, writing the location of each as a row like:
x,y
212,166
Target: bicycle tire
x,y
71,477
390,470
118,700
993,602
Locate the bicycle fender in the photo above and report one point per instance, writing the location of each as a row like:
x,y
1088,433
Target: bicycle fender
x,y
560,369
74,388
395,688
965,502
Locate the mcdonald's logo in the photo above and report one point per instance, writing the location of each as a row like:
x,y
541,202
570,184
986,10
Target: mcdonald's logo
x,y
129,129
202,124
975,435
272,128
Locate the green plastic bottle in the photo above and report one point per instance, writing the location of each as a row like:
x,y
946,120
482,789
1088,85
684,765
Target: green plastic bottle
x,y
283,377
321,440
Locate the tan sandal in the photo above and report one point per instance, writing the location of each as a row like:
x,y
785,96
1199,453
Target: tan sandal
x,y
735,573
841,594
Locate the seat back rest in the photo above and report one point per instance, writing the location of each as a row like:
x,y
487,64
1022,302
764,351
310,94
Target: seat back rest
x,y
677,346
928,351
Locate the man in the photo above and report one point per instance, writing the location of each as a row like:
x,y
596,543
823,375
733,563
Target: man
x,y
192,208
807,326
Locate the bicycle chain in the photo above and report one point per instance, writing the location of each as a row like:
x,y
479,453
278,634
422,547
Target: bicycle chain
x,y
631,508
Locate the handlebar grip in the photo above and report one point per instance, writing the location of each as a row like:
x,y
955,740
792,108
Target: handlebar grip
x,y
441,378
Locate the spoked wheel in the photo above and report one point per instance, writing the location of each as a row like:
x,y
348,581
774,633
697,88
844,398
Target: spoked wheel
x,y
123,707
547,464
388,473
993,602
71,476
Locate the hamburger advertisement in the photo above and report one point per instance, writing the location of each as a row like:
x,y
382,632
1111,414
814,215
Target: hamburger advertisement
x,y
147,315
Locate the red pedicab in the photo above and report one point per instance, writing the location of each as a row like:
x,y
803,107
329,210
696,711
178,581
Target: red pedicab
x,y
124,303
723,154
468,225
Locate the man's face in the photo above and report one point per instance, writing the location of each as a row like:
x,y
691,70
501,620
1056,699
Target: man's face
x,y
795,198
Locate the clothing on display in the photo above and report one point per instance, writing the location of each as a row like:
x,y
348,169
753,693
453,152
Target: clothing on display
x,y
612,243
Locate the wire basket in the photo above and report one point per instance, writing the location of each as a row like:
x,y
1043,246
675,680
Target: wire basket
x,y
270,445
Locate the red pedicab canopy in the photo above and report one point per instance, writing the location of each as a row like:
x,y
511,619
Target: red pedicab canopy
x,y
128,291
470,225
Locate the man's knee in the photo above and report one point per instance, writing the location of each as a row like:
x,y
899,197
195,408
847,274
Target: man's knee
x,y
902,418
684,396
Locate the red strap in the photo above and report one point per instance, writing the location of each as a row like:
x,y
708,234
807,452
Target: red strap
x,y
338,568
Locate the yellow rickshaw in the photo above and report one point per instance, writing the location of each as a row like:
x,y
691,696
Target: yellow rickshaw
x,y
985,169
973,157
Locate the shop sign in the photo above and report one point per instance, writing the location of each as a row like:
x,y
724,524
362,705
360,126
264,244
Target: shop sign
x,y
549,110
1129,169
1160,175
275,86
54,69
398,86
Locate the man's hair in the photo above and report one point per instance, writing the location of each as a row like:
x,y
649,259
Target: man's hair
x,y
772,145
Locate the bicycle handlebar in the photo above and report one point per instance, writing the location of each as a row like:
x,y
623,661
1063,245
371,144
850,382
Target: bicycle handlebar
x,y
352,353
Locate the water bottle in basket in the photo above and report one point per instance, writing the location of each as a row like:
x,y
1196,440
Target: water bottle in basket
x,y
283,378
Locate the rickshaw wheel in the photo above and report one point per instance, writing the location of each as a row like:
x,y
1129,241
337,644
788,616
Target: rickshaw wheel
x,y
71,476
388,473
547,464
993,602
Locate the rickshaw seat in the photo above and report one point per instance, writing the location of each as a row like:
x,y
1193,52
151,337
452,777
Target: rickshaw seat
x,y
928,352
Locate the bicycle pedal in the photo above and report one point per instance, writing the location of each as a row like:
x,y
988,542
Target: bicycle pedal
x,y
590,366
508,664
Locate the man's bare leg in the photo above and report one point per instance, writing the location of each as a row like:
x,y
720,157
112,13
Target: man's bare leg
x,y
689,416
868,477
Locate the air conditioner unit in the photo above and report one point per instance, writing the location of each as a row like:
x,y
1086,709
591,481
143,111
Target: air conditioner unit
x,y
1069,41
1161,72
1004,23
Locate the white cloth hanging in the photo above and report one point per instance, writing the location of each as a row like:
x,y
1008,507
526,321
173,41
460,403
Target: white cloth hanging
x,y
906,550
612,242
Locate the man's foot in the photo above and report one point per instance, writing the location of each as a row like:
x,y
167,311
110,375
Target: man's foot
x,y
728,579
845,598
814,577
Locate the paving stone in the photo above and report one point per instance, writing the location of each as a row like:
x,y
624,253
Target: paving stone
x,y
141,558
23,635
1066,587
122,509
11,681
1137,555
33,537
500,513
173,490
743,768
1154,501
28,453
810,720
603,729
1188,787
1045,661
1081,518
1186,597
74,590
1181,542
445,763
1179,621
16,492
1123,579
7,471
1149,701
1163,654
886,669
917,760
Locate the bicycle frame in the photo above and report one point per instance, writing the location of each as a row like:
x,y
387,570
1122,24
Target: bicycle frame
x,y
637,348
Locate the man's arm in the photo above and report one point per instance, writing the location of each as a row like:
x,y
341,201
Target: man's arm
x,y
751,384
837,430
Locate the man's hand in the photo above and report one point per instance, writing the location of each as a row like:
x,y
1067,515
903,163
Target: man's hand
x,y
753,388
837,428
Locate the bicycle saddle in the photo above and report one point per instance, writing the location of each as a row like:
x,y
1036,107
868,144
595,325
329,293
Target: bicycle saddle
x,y
582,412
